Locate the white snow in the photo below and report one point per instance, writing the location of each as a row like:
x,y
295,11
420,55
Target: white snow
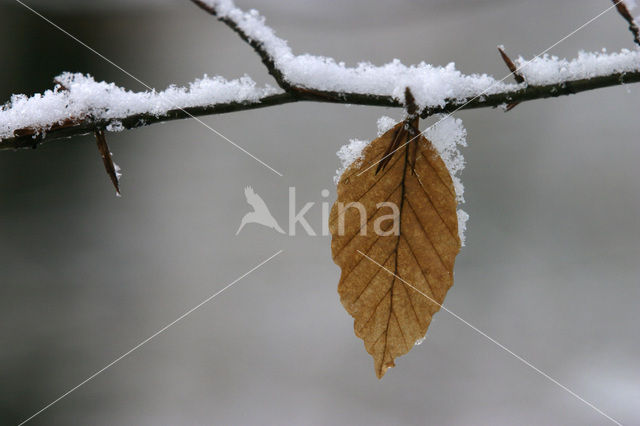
x,y
118,171
385,123
431,85
84,96
349,154
115,126
447,135
463,217
551,69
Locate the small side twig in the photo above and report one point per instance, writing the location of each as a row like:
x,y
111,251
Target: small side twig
x,y
257,46
514,71
624,12
269,61
512,67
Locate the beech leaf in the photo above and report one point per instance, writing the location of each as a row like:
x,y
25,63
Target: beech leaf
x,y
401,215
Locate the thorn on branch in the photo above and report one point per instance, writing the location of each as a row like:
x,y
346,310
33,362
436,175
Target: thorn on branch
x,y
410,103
511,106
624,12
109,165
514,70
512,67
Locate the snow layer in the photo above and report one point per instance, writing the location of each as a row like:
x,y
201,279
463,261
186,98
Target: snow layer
x,y
551,69
431,85
349,154
86,97
447,135
385,123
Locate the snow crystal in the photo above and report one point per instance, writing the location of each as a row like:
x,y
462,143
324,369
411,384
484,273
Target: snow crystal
x,y
463,217
385,123
115,126
84,96
118,171
349,154
447,135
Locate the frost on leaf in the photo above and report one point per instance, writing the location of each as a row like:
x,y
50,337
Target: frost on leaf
x,y
417,242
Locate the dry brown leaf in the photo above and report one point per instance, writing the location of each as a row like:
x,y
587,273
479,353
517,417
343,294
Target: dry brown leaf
x,y
419,248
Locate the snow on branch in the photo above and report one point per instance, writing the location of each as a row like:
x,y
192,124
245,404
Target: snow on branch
x,y
77,96
79,105
431,85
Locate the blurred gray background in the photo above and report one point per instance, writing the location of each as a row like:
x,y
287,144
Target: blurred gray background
x,y
551,268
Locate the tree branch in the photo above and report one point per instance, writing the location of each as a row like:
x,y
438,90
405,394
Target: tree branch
x,y
303,78
29,138
531,92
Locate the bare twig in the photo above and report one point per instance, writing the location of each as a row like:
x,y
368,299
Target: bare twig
x,y
633,27
257,46
267,59
511,106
